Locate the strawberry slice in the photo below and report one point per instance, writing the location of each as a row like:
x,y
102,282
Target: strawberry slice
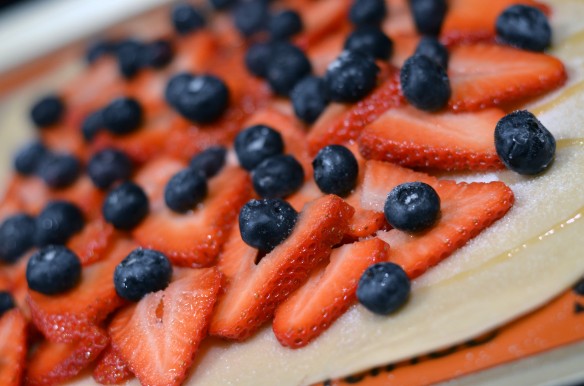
x,y
91,244
194,238
256,290
466,209
327,294
445,141
399,20
12,347
320,18
484,75
326,50
111,369
158,336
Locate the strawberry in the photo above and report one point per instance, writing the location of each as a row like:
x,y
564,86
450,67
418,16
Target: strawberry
x,y
256,290
328,293
320,18
12,347
466,209
111,369
399,20
445,141
484,75
158,336
326,50
91,244
193,238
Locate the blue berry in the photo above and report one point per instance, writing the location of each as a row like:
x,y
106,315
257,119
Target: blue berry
x,y
383,288
257,57
264,224
335,170
412,207
129,54
29,158
176,86
428,15
425,83
98,49
52,270
6,302
221,4
123,116
250,16
186,19
524,27
92,124
309,98
59,170
143,271
284,25
368,12
57,222
255,144
125,206
47,111
370,40
203,99
185,189
16,236
523,143
109,166
351,77
278,176
430,46
286,67
210,161
157,54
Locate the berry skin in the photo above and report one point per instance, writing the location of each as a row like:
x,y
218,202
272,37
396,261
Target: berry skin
x,y
257,58
309,98
129,54
524,27
157,54
370,40
286,67
186,19
278,176
6,302
176,86
141,272
284,25
351,77
335,170
53,269
250,16
383,288
201,99
57,222
428,15
109,166
29,158
99,49
255,144
91,125
221,4
123,116
430,46
210,161
59,170
412,207
368,12
425,83
16,236
523,143
185,190
125,206
47,111
264,224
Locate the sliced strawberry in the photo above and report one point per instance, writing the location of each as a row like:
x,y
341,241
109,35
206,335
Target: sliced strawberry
x,y
91,244
326,50
12,348
158,336
484,75
195,51
64,139
404,46
320,18
399,20
327,294
256,290
111,369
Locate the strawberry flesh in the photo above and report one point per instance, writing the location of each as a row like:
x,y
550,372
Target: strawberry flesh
x,y
13,342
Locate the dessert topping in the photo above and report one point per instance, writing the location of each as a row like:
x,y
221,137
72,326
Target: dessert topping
x,y
141,272
125,206
29,158
370,40
428,15
251,16
309,98
59,170
186,19
425,83
109,166
123,115
383,288
129,55
351,77
185,190
92,124
6,302
257,143
16,236
210,161
335,170
524,27
158,53
287,65
430,46
257,58
412,207
57,222
52,270
364,12
277,176
201,98
47,111
284,24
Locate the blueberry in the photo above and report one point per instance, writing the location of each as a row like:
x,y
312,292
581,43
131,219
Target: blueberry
x,y
309,98
109,166
98,49
185,189
125,206
257,58
92,124
29,158
250,16
130,57
264,224
203,99
186,19
430,46
383,288
412,207
157,54
335,170
285,24
428,15
123,116
47,111
221,4
370,40
524,27
425,83
6,302
16,236
59,170
176,86
286,67
210,161
523,143
256,143
52,270
278,176
370,12
351,77
57,222
141,272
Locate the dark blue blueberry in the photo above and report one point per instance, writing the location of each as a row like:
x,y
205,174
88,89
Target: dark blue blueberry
x,y
6,302
428,15
130,57
523,143
91,125
368,12
203,99
210,161
412,207
309,98
251,16
109,166
430,46
59,170
257,57
143,271
425,83
370,40
579,288
383,288
157,54
52,270
176,86
287,66
47,111
99,49
335,170
278,176
125,206
29,158
264,224
256,143
16,236
351,77
57,222
221,4
186,19
285,24
524,27
122,116
185,190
